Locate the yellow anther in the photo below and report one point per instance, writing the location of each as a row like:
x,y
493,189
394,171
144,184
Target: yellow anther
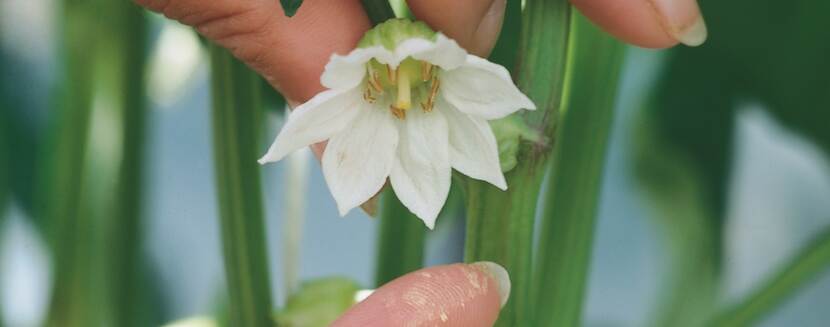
x,y
404,98
398,112
426,106
426,71
367,96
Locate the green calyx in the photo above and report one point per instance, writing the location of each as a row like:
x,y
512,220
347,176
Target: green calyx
x,y
394,31
510,132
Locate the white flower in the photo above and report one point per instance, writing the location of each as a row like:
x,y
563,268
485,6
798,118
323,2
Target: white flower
x,y
407,106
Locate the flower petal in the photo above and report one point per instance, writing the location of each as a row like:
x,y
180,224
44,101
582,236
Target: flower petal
x,y
421,174
484,89
358,159
326,114
445,53
345,72
473,148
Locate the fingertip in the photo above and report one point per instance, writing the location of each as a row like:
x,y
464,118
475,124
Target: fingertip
x,y
452,295
648,23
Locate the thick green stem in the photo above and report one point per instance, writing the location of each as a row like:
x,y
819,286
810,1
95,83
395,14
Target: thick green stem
x,y
500,224
804,268
236,96
567,227
400,242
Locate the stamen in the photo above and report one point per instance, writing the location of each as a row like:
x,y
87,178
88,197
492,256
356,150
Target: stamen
x,y
367,96
398,113
374,81
426,106
404,98
426,71
391,74
433,91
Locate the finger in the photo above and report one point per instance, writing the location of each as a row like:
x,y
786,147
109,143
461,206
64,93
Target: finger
x,y
648,23
452,295
474,24
289,52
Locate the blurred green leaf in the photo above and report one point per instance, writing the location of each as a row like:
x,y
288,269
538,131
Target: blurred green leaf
x,y
805,267
237,108
318,303
290,7
783,65
567,228
66,196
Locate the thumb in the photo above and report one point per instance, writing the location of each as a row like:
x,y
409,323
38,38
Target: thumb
x,y
467,295
474,24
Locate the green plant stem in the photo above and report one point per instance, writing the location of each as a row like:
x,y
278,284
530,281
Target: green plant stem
x,y
126,228
567,226
378,10
400,241
237,107
500,224
805,267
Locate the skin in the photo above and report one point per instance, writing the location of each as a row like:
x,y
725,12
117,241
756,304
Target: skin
x,y
292,52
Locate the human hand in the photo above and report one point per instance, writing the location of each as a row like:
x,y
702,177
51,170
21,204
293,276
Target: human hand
x,y
291,52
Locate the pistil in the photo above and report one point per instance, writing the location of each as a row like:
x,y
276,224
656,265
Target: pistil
x,y
403,102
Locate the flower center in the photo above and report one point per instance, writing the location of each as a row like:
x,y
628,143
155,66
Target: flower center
x,y
413,79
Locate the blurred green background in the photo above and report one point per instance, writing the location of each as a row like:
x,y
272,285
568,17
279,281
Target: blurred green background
x,y
718,172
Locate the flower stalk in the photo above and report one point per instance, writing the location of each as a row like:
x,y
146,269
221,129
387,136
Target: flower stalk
x,y
567,227
236,96
401,236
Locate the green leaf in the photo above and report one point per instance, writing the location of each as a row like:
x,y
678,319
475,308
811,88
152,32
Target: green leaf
x,y
567,228
237,107
65,199
128,293
499,223
805,267
318,303
290,7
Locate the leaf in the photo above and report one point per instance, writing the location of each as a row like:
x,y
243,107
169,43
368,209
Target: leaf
x,y
237,108
290,7
805,267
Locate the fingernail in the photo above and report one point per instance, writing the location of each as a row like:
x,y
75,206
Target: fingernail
x,y
682,20
489,28
500,275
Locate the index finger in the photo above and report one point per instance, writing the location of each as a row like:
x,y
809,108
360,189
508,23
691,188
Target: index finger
x,y
289,52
